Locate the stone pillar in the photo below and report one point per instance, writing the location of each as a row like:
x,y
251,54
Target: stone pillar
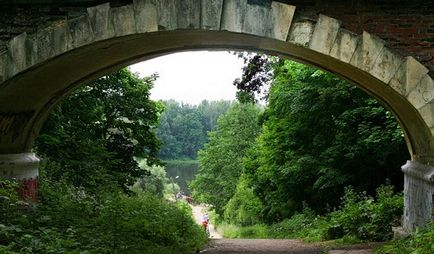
x,y
418,194
24,168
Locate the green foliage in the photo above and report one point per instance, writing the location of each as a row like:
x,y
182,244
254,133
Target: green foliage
x,y
420,242
244,208
91,139
360,218
221,159
364,218
70,220
154,183
319,135
183,128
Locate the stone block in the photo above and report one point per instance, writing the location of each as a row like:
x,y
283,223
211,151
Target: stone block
x,y
418,191
32,49
301,32
188,14
99,18
166,14
423,93
345,45
175,14
408,76
17,51
282,19
367,51
386,65
324,34
123,19
146,16
427,113
234,12
80,32
271,21
211,13
3,64
47,43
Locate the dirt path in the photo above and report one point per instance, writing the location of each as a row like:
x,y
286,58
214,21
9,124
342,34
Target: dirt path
x,y
274,246
198,214
219,245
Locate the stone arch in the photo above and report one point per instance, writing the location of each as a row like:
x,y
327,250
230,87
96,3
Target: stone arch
x,y
37,70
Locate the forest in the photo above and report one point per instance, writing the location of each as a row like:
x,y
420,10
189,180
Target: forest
x,y
302,154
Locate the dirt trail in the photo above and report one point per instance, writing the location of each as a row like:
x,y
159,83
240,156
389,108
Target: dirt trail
x,y
274,246
198,214
219,245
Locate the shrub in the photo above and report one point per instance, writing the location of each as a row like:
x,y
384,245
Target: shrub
x,y
421,242
244,208
365,218
70,220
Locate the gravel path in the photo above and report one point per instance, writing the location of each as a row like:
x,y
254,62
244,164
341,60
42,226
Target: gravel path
x,y
274,246
269,246
219,245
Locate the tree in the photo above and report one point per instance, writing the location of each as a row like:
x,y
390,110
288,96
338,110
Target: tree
x,y
91,138
319,135
183,128
255,78
221,159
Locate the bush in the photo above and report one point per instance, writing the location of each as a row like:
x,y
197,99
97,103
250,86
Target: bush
x,y
305,225
69,220
365,218
244,208
421,242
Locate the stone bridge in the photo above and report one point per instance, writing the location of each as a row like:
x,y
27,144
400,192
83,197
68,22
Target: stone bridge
x,y
51,47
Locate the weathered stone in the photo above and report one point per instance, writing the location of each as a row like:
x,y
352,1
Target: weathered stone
x,y
233,16
367,51
301,32
426,111
408,76
211,14
282,19
386,65
166,13
188,14
19,166
17,51
271,21
99,18
423,93
123,20
257,21
324,34
80,32
174,14
146,16
345,45
3,63
47,43
32,49
418,194
24,168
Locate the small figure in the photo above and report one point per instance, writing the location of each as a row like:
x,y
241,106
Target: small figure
x,y
179,195
205,226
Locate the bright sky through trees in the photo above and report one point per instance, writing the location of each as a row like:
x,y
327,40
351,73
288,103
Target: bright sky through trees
x,y
191,77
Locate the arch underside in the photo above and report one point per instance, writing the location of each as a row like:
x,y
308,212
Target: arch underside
x,y
34,80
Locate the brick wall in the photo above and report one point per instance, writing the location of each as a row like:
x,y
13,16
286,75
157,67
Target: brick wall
x,y
406,26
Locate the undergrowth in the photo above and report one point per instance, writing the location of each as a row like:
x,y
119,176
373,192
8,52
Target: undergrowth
x,y
359,218
70,220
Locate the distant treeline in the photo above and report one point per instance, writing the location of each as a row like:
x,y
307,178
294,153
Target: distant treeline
x,y
183,128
